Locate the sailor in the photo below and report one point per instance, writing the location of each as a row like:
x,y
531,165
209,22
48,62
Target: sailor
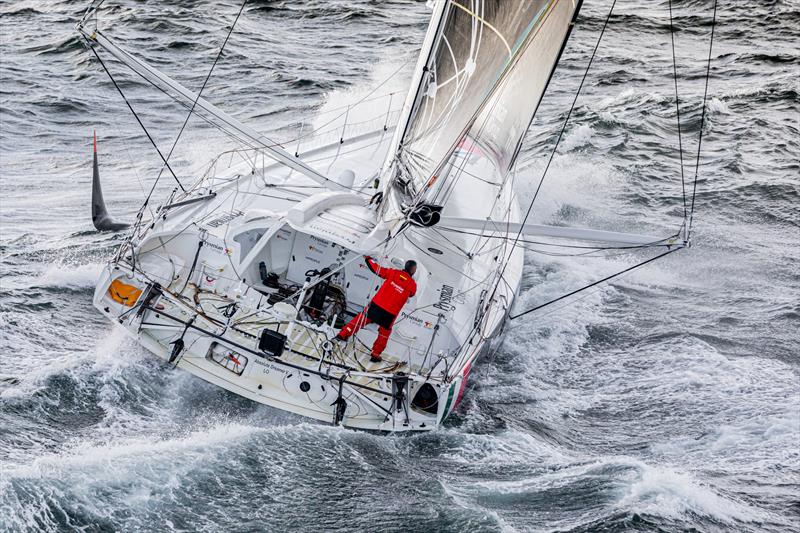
x,y
397,288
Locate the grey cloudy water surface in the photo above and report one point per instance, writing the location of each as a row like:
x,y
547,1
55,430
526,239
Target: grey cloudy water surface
x,y
667,400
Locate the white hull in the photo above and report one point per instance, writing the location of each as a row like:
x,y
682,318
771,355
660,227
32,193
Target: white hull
x,y
459,309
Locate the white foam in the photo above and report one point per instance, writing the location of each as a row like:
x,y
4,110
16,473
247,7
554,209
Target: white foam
x,y
107,352
508,448
662,491
580,136
103,357
139,469
73,276
461,500
384,72
718,107
108,461
630,97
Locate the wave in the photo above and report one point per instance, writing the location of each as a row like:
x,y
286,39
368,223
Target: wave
x,y
664,492
580,136
666,400
60,275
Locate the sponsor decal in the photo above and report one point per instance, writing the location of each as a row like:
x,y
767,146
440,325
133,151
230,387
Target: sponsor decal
x,y
445,302
224,218
218,248
268,368
416,320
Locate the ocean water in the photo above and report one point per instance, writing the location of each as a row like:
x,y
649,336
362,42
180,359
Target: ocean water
x,y
668,400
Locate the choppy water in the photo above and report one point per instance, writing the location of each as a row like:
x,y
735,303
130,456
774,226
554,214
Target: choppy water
x,y
669,400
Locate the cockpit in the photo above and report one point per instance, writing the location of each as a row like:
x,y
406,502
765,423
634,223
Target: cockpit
x,y
319,283
284,264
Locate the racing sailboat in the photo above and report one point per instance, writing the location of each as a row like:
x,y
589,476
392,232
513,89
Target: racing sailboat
x,y
244,278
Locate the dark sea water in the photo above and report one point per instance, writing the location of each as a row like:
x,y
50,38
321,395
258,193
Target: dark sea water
x,y
668,400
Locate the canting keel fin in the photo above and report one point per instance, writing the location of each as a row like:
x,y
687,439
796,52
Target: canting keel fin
x,y
100,218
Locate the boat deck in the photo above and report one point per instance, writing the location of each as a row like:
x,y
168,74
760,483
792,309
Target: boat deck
x,y
308,346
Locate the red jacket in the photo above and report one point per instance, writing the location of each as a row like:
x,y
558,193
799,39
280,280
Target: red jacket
x,y
395,291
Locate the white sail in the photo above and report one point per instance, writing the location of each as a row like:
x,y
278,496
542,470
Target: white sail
x,y
490,57
506,115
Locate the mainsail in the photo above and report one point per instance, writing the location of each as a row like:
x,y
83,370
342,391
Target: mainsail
x,y
485,74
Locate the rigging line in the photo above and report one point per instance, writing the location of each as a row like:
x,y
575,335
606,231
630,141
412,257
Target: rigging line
x,y
677,109
587,253
228,225
329,275
136,173
568,304
212,123
91,10
477,284
119,90
702,121
563,129
508,179
465,253
202,88
236,138
275,197
148,71
193,223
227,132
444,264
598,282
